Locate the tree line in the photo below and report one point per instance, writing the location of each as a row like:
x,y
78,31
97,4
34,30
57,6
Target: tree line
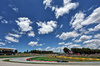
x,y
82,50
39,51
66,50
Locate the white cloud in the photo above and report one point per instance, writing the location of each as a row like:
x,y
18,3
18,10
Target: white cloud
x,y
52,49
24,24
90,8
46,28
67,6
14,8
92,41
83,38
57,36
47,3
61,26
39,49
74,46
67,35
61,43
60,49
1,43
93,18
14,35
4,21
69,43
97,36
78,21
12,39
83,31
47,48
38,39
96,28
56,49
31,34
32,43
93,44
39,44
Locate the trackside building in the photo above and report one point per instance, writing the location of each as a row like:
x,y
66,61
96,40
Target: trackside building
x,y
7,51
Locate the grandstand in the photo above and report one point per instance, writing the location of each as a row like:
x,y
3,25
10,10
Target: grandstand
x,y
7,51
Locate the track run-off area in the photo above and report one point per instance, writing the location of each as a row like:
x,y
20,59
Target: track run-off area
x,y
22,62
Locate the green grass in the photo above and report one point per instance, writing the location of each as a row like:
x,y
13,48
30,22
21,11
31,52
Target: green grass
x,y
46,58
17,55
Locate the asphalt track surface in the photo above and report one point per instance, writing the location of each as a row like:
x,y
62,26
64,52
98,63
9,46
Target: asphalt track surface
x,y
3,63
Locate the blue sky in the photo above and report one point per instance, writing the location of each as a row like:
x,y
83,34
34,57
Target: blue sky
x,y
49,24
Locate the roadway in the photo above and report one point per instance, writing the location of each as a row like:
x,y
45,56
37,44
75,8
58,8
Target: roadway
x,y
3,63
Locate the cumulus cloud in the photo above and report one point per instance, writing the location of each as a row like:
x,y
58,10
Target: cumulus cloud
x,y
69,43
67,35
52,49
55,49
59,49
96,28
32,43
24,24
4,21
93,18
57,36
31,34
97,36
14,8
83,38
39,44
14,35
47,3
74,46
47,48
46,28
61,43
1,43
67,6
39,49
83,31
79,20
93,44
11,39
61,26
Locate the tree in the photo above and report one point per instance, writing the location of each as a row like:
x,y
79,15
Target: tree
x,y
16,51
76,50
66,50
27,51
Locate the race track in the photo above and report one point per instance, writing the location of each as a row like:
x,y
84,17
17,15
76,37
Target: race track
x,y
3,63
